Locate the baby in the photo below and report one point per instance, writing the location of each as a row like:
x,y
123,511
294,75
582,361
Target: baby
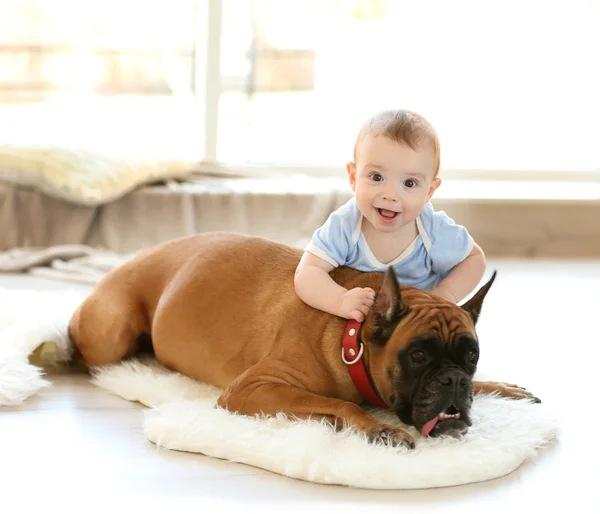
x,y
390,222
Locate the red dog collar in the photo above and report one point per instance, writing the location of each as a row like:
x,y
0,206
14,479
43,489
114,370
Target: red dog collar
x,y
352,356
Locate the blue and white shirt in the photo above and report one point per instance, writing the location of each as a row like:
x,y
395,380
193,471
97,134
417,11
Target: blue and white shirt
x,y
440,245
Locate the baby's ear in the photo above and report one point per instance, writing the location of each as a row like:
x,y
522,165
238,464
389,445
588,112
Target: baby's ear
x,y
435,183
351,169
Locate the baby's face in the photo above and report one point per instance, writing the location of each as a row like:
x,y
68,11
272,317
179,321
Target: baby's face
x,y
392,182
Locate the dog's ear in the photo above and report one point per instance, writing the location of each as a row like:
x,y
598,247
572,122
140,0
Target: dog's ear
x,y
387,310
473,306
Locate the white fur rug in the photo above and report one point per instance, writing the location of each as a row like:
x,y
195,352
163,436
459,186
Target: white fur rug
x,y
181,416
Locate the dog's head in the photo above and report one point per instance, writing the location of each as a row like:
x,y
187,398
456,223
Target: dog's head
x,y
422,355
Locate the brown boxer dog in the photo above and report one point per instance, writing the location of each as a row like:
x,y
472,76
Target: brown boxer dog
x,y
221,308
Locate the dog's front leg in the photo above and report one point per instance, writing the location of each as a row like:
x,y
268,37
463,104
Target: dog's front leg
x,y
252,395
503,389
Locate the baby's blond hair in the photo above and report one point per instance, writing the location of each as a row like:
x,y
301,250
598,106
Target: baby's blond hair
x,y
404,127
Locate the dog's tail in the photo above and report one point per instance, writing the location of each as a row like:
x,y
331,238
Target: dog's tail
x,y
144,348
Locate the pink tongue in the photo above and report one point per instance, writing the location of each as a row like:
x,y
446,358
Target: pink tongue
x,y
386,213
428,427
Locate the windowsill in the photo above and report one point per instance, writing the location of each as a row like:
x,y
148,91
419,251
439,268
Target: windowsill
x,y
520,191
451,189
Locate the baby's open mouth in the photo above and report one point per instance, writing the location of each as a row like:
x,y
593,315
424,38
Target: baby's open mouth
x,y
387,216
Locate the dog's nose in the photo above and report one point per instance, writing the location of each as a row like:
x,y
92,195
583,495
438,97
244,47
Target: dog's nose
x,y
452,379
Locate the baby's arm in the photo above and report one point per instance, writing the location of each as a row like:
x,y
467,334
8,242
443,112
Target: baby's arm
x,y
315,287
464,277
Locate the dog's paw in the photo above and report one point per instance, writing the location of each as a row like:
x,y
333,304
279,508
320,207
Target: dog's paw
x,y
506,390
391,436
516,392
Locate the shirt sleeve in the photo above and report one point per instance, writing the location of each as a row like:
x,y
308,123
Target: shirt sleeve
x,y
331,241
450,244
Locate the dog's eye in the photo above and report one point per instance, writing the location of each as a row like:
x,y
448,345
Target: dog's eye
x,y
471,357
418,356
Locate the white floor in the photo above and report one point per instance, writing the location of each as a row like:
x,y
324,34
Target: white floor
x,y
537,328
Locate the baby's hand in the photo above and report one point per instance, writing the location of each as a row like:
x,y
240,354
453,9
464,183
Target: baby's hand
x,y
356,303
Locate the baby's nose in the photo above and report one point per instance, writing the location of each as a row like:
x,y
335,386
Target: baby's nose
x,y
390,195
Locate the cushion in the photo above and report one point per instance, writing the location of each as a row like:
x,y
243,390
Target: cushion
x,y
85,175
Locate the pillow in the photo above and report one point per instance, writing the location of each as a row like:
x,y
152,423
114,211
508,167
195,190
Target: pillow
x,y
85,176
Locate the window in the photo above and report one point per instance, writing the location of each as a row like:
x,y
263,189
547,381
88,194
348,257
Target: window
x,y
117,75
509,84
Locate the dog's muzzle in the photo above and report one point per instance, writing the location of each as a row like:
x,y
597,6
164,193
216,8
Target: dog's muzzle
x,y
448,413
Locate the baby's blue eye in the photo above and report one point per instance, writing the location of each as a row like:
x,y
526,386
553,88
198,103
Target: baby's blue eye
x,y
377,177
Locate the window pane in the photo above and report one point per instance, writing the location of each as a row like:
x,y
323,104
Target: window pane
x,y
111,74
509,84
